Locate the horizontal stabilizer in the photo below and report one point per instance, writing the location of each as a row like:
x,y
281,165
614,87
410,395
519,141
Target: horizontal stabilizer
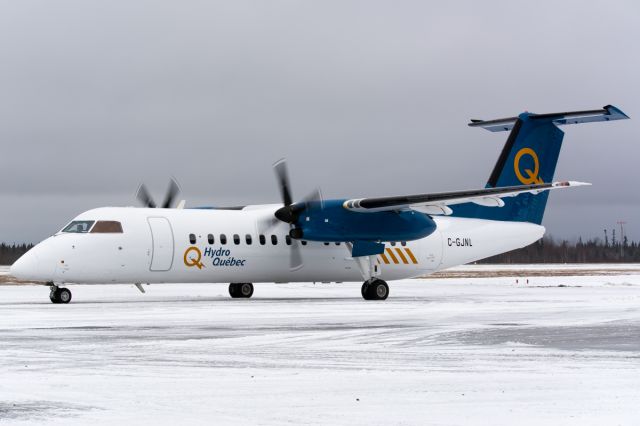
x,y
607,113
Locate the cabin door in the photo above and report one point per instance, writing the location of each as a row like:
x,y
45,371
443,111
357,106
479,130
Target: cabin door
x,y
161,244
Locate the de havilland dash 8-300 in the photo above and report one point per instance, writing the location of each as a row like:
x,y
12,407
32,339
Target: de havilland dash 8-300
x,y
316,240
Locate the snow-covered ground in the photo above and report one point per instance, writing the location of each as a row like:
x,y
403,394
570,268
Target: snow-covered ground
x,y
560,350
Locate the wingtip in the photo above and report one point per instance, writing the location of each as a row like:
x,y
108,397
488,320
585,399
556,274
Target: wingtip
x,y
571,183
578,183
615,110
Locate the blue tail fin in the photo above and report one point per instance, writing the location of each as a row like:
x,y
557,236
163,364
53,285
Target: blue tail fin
x,y
529,156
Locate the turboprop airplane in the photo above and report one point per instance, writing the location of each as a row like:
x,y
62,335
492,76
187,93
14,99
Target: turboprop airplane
x,y
316,240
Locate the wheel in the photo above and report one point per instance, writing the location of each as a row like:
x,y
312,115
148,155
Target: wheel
x,y
60,295
380,290
63,295
53,296
233,290
375,290
246,290
365,291
241,290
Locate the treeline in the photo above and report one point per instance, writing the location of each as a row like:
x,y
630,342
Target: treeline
x,y
11,253
548,250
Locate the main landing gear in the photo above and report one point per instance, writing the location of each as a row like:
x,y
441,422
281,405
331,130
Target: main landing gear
x,y
241,290
60,294
375,289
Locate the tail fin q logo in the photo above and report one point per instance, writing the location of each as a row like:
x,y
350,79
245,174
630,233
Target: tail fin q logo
x,y
193,257
532,176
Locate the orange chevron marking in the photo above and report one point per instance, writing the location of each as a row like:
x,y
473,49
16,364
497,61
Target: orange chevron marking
x,y
410,253
402,256
384,258
392,256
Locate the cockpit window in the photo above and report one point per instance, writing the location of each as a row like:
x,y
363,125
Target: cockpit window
x,y
107,227
79,226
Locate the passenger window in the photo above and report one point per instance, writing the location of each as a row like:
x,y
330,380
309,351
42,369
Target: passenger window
x,y
78,226
211,239
393,243
263,240
107,227
223,239
337,243
236,239
192,238
404,243
326,244
304,243
287,239
274,240
248,239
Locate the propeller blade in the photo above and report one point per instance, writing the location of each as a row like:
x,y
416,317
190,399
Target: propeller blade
x,y
265,225
314,197
172,193
144,197
280,167
295,256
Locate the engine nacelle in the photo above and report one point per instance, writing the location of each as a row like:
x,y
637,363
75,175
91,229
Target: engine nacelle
x,y
330,221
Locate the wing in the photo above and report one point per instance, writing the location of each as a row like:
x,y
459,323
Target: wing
x,y
438,203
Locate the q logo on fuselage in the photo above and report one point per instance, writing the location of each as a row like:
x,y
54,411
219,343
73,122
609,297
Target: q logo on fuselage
x,y
531,175
194,259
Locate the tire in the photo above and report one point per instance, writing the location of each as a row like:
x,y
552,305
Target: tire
x,y
233,290
53,296
375,290
365,291
245,290
63,295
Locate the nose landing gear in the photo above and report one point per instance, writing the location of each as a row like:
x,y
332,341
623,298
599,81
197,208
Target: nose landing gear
x,y
60,294
375,289
241,290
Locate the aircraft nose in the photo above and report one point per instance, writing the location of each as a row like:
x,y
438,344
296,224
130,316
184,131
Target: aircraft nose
x,y
26,268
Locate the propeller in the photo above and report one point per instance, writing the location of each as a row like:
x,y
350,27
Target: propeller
x,y
146,199
289,213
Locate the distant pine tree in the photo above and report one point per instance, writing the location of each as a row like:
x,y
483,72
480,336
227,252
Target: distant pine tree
x,y
11,253
547,250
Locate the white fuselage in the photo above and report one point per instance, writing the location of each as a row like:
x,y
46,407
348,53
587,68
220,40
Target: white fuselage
x,y
154,247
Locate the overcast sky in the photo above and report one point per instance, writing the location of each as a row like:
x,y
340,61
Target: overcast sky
x,y
363,98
